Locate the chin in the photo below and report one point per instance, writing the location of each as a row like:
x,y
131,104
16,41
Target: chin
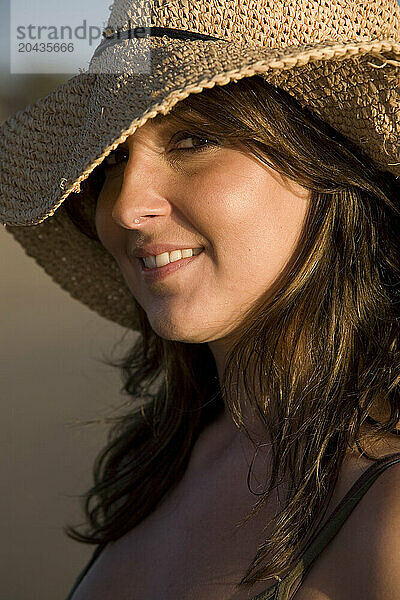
x,y
178,332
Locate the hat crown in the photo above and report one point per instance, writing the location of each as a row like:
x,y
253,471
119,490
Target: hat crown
x,y
270,23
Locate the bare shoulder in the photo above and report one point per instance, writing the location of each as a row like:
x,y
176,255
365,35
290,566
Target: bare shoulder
x,y
381,516
362,562
374,527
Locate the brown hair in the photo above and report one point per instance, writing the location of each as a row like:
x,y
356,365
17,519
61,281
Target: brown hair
x,y
323,347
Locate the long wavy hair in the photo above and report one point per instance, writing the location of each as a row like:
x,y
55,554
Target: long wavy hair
x,y
312,357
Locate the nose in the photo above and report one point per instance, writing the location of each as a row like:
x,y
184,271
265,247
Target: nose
x,y
141,197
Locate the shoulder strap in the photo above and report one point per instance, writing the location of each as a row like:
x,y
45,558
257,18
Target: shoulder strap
x,y
95,555
334,523
281,590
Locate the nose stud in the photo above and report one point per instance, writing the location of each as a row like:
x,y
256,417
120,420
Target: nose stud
x,y
137,220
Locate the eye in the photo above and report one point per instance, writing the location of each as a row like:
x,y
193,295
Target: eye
x,y
188,142
117,157
183,142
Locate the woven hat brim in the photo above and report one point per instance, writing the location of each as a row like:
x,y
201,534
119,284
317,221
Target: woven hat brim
x,y
344,83
58,141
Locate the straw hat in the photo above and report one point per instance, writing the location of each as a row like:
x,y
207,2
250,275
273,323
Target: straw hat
x,y
340,58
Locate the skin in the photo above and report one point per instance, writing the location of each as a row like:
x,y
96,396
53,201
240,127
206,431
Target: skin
x,y
244,214
248,219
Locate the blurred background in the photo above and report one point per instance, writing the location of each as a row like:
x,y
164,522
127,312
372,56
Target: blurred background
x,y
51,379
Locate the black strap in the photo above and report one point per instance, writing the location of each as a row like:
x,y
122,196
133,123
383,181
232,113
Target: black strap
x,y
332,526
281,590
372,421
113,37
84,571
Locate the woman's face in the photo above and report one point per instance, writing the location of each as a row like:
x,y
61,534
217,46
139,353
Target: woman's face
x,y
191,192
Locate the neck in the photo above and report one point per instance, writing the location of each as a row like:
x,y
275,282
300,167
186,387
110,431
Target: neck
x,y
248,416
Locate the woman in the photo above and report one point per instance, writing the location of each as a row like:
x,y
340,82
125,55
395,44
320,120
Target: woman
x,y
263,398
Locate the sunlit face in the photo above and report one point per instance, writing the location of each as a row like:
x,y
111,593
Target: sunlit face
x,y
244,216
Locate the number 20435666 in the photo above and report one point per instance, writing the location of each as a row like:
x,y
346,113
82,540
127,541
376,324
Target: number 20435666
x,y
48,47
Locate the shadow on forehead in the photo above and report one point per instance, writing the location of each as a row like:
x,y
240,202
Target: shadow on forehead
x,y
180,113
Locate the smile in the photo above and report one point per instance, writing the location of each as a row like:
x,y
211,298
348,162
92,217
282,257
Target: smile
x,y
164,258
158,273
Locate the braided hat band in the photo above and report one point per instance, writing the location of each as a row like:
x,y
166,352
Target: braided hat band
x,y
340,59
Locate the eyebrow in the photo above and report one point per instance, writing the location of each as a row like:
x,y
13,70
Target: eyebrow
x,y
185,117
163,126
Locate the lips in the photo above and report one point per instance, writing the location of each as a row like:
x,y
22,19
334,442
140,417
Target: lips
x,y
158,273
153,250
166,257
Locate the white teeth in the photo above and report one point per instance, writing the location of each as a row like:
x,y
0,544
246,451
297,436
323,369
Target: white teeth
x,y
175,255
150,262
162,259
166,257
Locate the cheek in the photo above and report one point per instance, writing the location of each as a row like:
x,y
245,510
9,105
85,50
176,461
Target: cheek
x,y
257,224
107,230
101,220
